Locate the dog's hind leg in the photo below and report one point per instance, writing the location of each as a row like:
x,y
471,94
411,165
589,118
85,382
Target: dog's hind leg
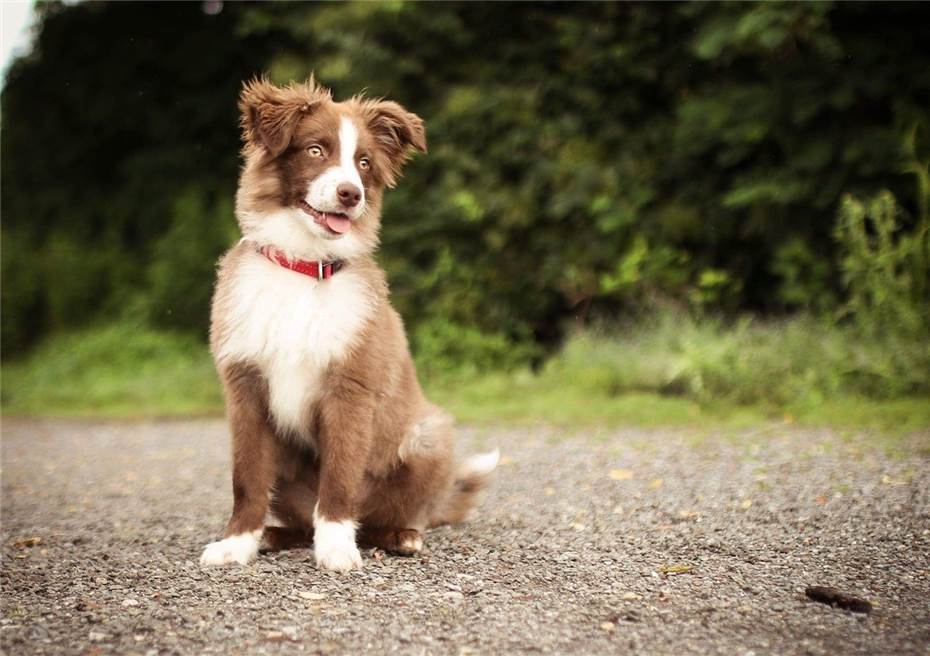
x,y
254,468
399,504
400,541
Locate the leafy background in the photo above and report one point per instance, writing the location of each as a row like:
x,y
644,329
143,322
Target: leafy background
x,y
593,167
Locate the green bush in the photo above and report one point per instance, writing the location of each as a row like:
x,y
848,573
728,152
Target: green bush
x,y
885,271
448,350
886,268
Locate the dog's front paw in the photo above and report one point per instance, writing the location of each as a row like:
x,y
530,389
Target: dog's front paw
x,y
240,549
334,545
342,558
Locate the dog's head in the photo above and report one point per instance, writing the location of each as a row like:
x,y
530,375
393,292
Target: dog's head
x,y
315,169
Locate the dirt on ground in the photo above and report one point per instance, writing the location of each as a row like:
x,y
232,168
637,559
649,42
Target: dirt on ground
x,y
589,542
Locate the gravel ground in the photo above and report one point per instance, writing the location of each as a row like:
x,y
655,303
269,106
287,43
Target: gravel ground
x,y
645,541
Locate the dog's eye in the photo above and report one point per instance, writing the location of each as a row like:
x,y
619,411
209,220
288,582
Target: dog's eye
x,y
364,163
315,151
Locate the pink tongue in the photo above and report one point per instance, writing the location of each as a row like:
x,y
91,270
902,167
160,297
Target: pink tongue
x,y
337,223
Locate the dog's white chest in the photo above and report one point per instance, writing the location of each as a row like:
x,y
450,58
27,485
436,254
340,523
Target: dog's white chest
x,y
293,327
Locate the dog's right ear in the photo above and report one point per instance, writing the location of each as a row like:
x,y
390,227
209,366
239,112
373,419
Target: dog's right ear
x,y
270,113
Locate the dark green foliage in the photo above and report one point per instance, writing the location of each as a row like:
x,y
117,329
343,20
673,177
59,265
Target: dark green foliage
x,y
183,266
585,159
120,109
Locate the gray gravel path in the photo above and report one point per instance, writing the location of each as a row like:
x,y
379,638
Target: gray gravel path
x,y
641,541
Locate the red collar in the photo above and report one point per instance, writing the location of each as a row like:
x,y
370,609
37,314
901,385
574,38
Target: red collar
x,y
313,268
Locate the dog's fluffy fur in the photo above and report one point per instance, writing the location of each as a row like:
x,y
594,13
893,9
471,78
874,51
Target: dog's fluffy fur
x,y
331,433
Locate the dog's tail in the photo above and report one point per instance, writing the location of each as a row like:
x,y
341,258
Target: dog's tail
x,y
471,477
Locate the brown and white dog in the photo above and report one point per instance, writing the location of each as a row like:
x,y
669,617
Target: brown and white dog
x,y
330,431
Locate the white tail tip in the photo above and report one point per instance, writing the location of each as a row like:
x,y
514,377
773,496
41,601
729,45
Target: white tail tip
x,y
481,464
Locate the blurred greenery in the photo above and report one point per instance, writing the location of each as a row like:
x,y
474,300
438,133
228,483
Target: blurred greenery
x,y
590,165
117,370
669,371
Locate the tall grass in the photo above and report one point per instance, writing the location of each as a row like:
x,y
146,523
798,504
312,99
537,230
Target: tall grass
x,y
678,370
746,362
121,370
668,370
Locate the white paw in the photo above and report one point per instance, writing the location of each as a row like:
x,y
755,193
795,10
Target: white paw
x,y
240,549
334,544
344,558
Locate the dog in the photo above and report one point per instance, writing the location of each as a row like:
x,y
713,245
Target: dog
x,y
333,441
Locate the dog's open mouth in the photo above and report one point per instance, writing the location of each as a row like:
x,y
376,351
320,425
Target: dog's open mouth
x,y
336,223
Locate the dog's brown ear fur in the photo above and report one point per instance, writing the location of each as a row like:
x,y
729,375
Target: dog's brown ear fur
x,y
399,133
270,113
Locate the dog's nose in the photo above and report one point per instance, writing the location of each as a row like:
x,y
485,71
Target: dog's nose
x,y
349,194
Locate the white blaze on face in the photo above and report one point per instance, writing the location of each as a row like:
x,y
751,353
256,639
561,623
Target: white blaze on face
x,y
348,144
322,193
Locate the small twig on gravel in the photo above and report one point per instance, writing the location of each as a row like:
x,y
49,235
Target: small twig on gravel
x,y
839,599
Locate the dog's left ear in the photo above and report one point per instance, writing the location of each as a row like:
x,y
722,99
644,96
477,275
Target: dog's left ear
x,y
399,134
